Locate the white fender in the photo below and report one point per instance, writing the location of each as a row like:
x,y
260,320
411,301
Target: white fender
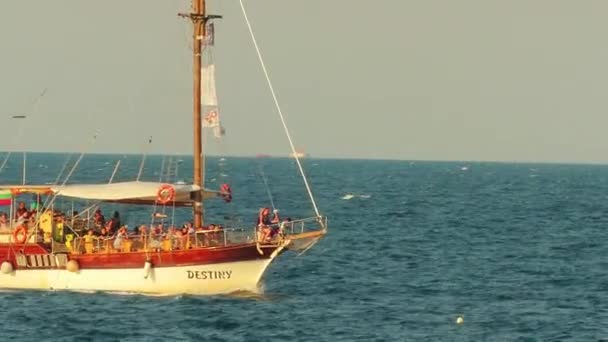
x,y
72,266
147,269
6,267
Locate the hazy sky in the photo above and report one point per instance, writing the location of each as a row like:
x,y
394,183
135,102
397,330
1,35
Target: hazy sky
x,y
466,80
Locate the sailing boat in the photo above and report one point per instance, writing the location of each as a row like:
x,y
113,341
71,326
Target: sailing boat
x,y
49,250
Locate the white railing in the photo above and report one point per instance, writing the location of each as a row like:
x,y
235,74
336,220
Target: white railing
x,y
168,241
160,242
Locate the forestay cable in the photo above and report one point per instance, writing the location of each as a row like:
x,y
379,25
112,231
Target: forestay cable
x,y
267,187
276,102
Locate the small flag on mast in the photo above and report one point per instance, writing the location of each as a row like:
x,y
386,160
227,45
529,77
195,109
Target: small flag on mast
x,y
219,131
209,34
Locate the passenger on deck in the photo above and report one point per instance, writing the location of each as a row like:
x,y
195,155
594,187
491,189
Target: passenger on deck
x,y
88,241
21,214
263,226
209,235
3,221
109,227
98,218
156,236
59,225
187,231
264,217
143,232
190,228
179,239
159,230
120,236
32,218
114,223
103,234
275,217
170,233
284,225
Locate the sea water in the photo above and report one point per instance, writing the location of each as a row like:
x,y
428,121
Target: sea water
x,y
518,251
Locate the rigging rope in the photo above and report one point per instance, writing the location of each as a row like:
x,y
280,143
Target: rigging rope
x,y
65,165
267,187
276,102
143,159
50,200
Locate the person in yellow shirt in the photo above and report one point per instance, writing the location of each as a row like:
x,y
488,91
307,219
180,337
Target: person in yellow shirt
x,y
88,241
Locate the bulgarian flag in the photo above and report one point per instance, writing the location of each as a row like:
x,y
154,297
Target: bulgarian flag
x,y
5,198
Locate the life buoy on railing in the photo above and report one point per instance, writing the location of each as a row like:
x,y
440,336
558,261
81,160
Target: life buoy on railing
x,y
165,194
226,192
20,234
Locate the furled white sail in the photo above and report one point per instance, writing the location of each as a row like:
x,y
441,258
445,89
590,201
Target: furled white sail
x,y
211,116
121,190
209,95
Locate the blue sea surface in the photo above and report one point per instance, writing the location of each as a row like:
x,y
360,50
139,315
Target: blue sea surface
x,y
517,250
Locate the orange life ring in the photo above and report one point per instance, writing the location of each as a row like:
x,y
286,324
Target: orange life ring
x,y
226,192
165,194
20,234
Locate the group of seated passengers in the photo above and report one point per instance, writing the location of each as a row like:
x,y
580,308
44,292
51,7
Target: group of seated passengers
x,y
26,217
22,214
154,235
269,227
112,225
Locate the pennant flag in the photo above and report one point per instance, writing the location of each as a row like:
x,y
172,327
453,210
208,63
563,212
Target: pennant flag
x,y
5,198
219,131
209,34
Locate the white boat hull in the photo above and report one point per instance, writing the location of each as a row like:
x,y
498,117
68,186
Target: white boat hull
x,y
210,279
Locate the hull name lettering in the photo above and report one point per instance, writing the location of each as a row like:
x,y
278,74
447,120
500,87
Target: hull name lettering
x,y
209,274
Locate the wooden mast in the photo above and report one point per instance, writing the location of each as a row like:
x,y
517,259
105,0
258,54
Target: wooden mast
x,y
198,17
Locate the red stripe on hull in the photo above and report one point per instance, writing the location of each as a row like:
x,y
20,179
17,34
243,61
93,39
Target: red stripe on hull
x,y
171,258
10,250
201,256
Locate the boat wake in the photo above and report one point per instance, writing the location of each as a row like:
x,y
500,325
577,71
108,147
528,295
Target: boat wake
x,y
259,296
350,196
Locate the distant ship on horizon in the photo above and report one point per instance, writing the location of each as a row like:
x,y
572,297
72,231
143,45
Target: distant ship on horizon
x,y
300,154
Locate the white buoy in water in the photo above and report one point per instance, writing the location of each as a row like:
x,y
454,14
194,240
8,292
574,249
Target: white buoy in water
x,y
147,268
459,320
6,267
72,266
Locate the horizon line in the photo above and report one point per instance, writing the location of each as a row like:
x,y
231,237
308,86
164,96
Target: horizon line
x,y
269,156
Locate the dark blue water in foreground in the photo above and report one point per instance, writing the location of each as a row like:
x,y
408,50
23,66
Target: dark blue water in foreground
x,y
518,250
